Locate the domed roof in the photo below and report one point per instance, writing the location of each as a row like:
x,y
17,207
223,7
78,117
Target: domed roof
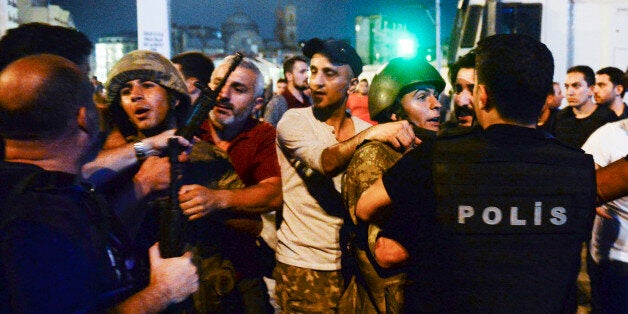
x,y
240,19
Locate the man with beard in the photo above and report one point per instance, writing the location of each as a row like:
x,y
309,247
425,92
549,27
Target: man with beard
x,y
295,70
609,90
250,145
461,75
61,249
500,213
147,96
406,89
315,146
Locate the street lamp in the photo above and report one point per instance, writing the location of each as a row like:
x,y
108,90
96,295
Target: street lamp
x,y
436,23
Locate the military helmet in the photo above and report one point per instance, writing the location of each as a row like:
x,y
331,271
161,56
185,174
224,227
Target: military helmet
x,y
400,73
145,65
148,66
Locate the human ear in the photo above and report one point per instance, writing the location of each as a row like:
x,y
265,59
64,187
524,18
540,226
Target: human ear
x,y
482,97
354,84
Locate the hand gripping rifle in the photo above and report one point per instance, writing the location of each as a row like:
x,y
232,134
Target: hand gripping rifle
x,y
172,222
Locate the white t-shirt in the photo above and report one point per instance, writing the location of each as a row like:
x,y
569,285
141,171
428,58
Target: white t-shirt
x,y
308,236
609,239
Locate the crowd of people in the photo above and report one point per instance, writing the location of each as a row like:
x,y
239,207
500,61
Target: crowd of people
x,y
380,200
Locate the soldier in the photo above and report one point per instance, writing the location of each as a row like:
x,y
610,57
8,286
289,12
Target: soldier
x,y
498,215
405,89
148,99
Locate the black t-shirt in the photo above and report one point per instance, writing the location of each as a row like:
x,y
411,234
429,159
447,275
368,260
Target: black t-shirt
x,y
573,131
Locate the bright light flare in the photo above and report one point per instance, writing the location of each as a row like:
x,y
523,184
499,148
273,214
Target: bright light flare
x,y
406,47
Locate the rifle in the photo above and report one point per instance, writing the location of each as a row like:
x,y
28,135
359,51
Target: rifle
x,y
172,222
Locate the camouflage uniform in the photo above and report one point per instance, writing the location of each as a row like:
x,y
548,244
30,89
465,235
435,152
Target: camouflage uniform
x,y
208,166
366,166
300,290
211,167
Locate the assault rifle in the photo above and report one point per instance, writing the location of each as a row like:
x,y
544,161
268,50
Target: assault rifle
x,y
172,222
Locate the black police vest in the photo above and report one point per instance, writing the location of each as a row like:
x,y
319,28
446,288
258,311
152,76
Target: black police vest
x,y
514,219
74,209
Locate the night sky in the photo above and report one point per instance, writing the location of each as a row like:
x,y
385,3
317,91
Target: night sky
x,y
315,18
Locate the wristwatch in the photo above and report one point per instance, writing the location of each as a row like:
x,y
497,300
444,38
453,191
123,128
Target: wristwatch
x,y
141,151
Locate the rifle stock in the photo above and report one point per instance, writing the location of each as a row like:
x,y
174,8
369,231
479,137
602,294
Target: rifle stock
x,y
172,222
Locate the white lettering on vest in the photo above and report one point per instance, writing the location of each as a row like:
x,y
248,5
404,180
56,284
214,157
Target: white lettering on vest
x,y
497,213
464,212
492,215
559,214
537,213
514,218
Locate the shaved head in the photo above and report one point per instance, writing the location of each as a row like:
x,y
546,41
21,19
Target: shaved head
x,y
40,96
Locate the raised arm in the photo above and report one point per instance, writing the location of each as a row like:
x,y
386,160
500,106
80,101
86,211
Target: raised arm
x,y
118,155
399,134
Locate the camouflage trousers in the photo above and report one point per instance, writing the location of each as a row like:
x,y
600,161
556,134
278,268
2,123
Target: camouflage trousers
x,y
302,290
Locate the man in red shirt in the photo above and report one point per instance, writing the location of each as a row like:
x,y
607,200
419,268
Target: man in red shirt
x,y
250,145
358,102
296,71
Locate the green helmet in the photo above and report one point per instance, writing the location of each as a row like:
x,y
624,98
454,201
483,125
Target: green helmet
x,y
400,73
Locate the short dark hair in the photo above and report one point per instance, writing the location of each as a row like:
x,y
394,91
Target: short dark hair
x,y
35,38
364,80
517,71
589,75
465,62
195,64
51,108
282,80
615,75
288,65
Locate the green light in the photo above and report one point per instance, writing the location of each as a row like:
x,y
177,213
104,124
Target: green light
x,y
406,47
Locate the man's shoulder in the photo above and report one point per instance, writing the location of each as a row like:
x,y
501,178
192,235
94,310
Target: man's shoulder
x,y
295,116
373,150
605,113
277,99
261,129
619,127
45,204
360,125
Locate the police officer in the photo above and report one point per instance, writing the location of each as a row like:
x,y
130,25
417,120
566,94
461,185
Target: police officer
x,y
406,89
61,249
499,214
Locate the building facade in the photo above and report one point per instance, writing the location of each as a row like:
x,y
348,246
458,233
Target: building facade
x,y
109,49
379,39
42,11
9,17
